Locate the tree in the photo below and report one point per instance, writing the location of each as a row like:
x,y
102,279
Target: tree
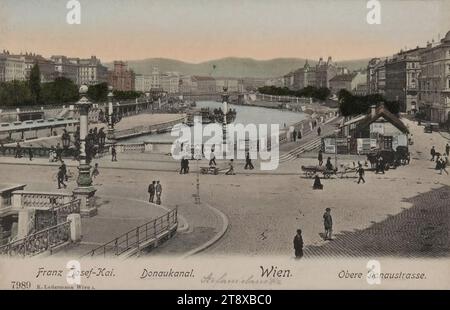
x,y
15,93
61,90
34,83
98,92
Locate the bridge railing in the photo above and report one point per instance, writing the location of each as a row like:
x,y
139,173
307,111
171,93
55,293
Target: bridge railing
x,y
44,240
42,200
134,238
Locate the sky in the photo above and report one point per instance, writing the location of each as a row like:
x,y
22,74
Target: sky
x,y
201,30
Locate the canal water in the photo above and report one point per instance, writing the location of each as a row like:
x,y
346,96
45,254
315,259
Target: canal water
x,y
244,115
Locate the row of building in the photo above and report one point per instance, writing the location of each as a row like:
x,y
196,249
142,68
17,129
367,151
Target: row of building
x,y
17,67
324,74
419,79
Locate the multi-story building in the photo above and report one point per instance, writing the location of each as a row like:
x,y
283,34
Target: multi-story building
x,y
142,82
46,66
186,85
434,80
376,76
252,84
234,85
203,84
304,77
121,78
348,82
170,82
66,67
12,68
156,78
288,80
325,71
402,73
91,71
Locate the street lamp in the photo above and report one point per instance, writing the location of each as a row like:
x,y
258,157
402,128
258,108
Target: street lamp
x,y
85,191
111,117
65,140
224,123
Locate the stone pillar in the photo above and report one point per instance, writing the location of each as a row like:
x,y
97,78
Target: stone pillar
x,y
75,227
25,222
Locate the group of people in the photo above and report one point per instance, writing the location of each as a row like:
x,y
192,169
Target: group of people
x,y
441,160
155,188
328,225
184,165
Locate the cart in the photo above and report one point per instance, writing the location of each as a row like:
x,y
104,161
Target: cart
x,y
209,170
310,171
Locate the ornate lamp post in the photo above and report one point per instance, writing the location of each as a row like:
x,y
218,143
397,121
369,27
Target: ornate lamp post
x,y
111,116
85,191
224,123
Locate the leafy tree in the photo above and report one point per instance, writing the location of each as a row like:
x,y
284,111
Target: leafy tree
x,y
126,95
98,92
35,83
15,93
61,90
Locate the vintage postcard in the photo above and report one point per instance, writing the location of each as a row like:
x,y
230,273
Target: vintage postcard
x,y
232,144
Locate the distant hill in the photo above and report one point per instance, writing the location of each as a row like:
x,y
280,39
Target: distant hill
x,y
233,66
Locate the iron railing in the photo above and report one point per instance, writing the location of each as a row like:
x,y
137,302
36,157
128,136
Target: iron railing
x,y
135,237
39,242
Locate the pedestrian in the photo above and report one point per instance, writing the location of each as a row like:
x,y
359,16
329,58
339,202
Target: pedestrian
x,y
248,162
329,165
360,171
30,153
95,171
186,165
299,136
447,149
151,191
64,170
18,151
212,158
319,131
380,165
432,153
113,153
328,224
231,168
317,184
158,191
61,178
443,165
294,135
320,158
298,244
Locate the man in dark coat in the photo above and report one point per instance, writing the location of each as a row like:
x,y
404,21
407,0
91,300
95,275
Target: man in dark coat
x,y
360,172
447,149
248,162
151,191
113,153
298,244
432,153
61,178
328,223
320,158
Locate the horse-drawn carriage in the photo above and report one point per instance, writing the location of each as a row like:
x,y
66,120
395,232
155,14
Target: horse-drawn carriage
x,y
391,158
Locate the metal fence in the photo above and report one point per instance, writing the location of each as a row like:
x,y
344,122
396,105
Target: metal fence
x,y
136,237
44,240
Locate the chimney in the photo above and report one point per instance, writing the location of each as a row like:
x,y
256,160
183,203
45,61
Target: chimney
x,y
373,110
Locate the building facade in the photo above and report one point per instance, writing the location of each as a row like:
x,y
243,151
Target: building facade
x,y
325,71
402,76
142,83
434,80
170,82
304,77
91,71
348,82
234,85
203,84
376,76
121,78
12,68
66,67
